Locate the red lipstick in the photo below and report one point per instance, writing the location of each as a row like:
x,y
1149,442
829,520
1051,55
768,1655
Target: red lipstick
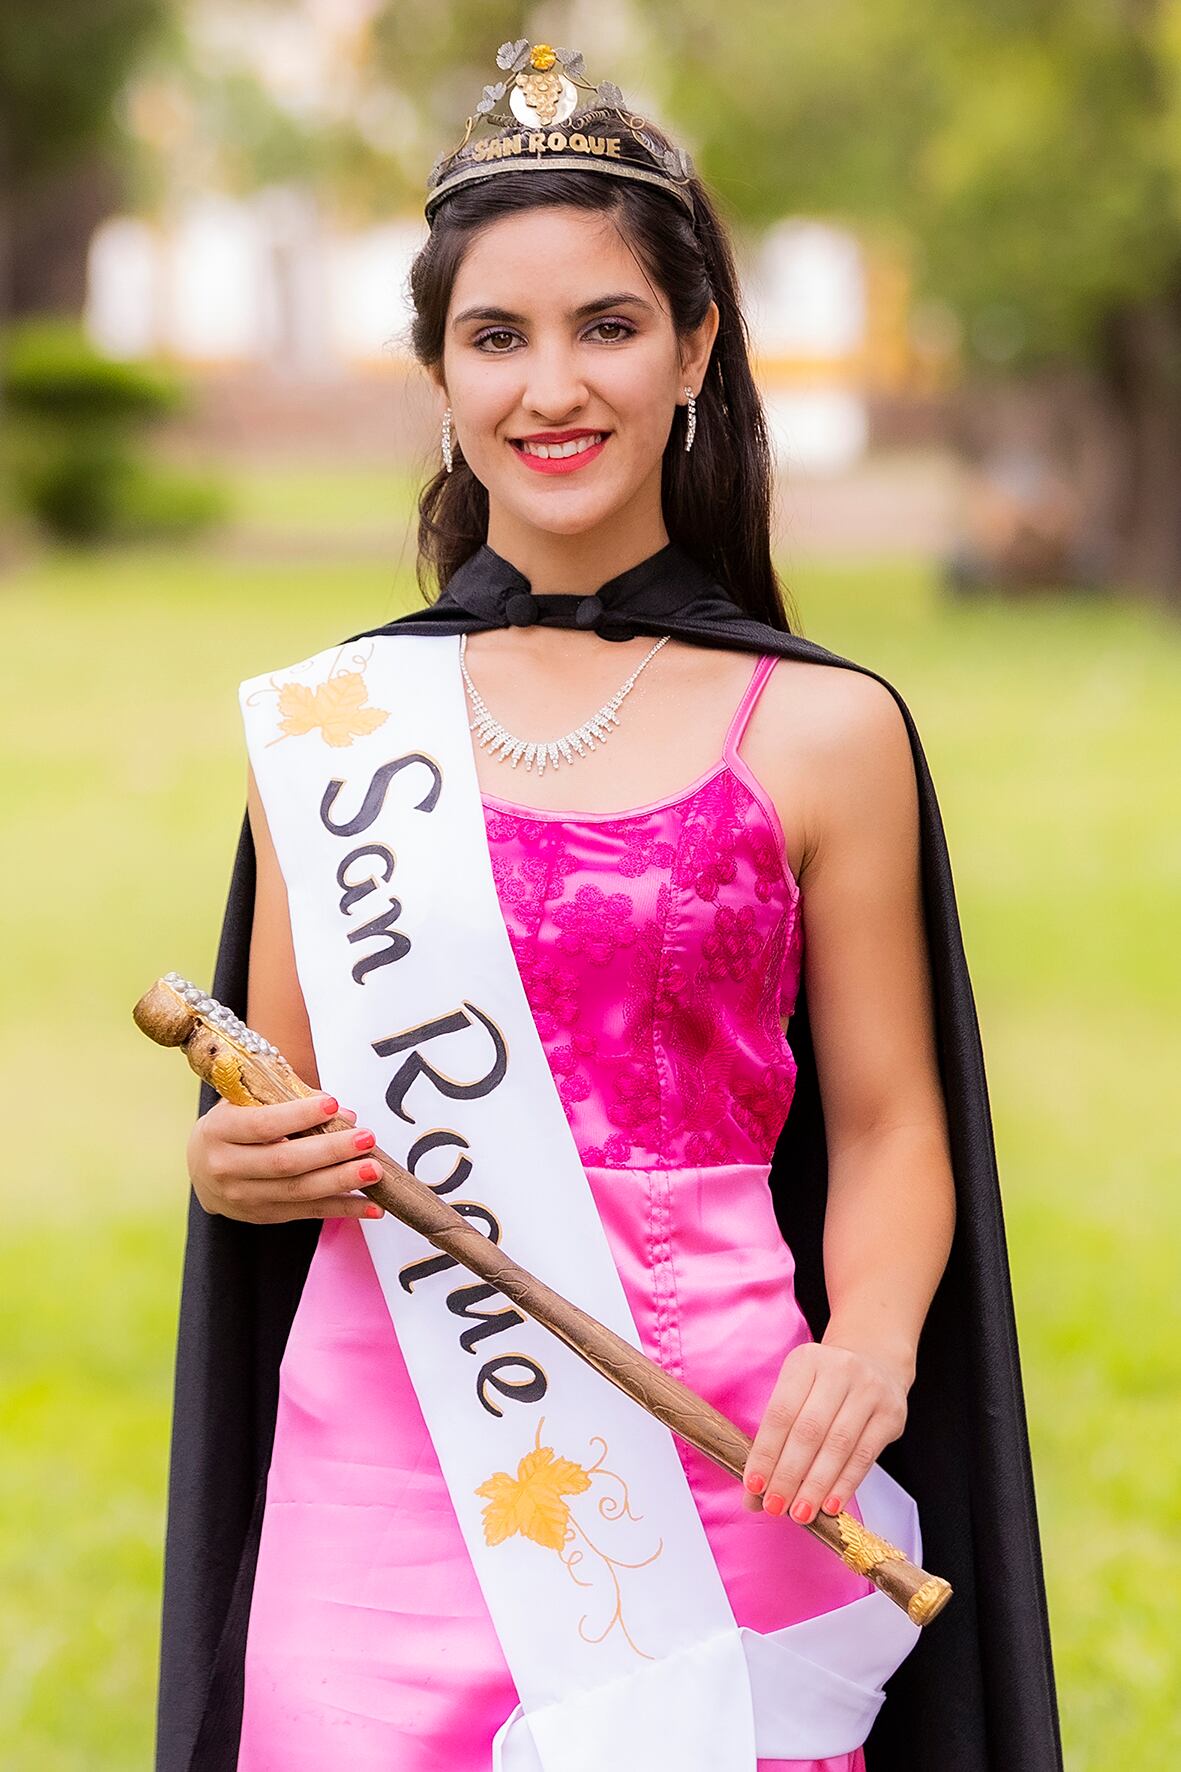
x,y
559,464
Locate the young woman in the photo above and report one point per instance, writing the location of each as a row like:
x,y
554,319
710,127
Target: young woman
x,y
753,830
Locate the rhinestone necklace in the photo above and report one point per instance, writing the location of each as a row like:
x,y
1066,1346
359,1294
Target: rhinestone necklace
x,y
581,739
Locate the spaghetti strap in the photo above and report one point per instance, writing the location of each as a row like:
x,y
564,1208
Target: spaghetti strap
x,y
745,708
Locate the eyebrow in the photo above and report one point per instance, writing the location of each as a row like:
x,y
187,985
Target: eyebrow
x,y
584,312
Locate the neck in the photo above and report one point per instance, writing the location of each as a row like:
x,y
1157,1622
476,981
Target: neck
x,y
575,564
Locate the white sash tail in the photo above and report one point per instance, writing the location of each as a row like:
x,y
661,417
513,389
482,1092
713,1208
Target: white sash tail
x,y
572,1501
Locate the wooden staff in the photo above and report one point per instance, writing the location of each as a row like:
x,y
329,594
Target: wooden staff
x,y
248,1071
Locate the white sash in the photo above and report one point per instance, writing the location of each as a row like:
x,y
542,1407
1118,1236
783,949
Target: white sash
x,y
573,1502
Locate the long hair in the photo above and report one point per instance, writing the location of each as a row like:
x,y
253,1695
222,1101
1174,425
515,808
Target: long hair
x,y
716,499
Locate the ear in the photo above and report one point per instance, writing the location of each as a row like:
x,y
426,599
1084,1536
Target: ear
x,y
697,347
438,386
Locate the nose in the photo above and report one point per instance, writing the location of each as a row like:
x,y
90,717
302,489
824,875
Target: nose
x,y
555,389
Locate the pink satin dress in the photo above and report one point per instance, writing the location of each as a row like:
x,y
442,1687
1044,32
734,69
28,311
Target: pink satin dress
x,y
658,950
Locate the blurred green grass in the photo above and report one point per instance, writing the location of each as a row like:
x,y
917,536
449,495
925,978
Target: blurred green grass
x,y
1051,727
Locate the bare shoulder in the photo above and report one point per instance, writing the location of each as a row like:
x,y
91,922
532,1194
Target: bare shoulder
x,y
829,743
829,709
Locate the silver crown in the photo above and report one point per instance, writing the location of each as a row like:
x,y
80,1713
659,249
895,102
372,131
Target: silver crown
x,y
546,127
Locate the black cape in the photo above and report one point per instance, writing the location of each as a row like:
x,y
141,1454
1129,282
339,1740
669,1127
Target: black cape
x,y
976,1694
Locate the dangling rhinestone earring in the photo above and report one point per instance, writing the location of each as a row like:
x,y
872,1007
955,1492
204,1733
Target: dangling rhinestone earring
x,y
448,459
691,430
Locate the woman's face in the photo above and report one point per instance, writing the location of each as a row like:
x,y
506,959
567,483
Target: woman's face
x,y
563,370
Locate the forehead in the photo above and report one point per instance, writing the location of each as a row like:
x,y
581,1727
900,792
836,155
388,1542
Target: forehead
x,y
548,258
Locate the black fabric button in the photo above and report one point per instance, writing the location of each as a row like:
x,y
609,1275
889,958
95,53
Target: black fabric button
x,y
520,608
588,612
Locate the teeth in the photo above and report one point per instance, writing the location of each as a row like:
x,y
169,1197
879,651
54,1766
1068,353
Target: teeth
x,y
576,446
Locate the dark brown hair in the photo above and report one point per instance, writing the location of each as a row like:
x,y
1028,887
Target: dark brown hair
x,y
716,499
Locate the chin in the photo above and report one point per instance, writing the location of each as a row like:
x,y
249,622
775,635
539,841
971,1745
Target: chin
x,y
567,512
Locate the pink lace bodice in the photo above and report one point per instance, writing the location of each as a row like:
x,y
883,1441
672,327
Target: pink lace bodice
x,y
659,948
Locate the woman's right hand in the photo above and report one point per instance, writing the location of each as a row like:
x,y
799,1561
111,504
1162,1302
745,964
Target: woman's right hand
x,y
244,1163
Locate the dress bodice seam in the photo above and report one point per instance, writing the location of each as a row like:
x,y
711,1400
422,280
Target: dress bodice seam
x,y
659,1056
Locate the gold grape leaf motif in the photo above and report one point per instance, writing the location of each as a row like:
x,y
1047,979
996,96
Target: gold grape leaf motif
x,y
337,709
532,1503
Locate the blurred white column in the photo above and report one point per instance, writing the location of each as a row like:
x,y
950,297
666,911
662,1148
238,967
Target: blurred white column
x,y
125,287
805,292
370,301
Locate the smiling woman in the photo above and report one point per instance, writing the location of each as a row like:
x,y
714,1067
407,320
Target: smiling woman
x,y
694,1030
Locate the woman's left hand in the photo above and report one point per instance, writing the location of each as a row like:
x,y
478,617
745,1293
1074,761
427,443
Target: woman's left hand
x,y
832,1411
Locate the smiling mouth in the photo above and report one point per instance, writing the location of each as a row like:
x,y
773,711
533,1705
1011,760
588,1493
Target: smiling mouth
x,y
558,451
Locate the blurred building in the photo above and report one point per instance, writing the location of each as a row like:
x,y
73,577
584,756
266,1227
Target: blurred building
x,y
268,281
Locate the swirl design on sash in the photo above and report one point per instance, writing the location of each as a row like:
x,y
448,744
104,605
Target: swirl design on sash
x,y
534,1505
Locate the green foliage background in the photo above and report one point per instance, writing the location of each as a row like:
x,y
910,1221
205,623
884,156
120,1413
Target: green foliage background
x,y
1051,730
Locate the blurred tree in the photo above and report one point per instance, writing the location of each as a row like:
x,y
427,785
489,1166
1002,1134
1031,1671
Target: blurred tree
x,y
61,66
73,446
212,109
1031,151
445,54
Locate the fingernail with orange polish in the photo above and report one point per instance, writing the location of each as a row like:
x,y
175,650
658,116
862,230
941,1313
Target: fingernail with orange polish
x,y
774,1504
802,1512
755,1483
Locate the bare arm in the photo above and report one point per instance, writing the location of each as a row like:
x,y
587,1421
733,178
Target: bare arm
x,y
275,1004
245,1162
891,1198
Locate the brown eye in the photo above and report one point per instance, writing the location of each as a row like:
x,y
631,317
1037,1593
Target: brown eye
x,y
497,332
618,328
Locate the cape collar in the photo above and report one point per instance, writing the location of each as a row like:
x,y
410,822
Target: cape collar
x,y
669,583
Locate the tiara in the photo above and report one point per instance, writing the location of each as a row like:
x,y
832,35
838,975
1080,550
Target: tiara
x,y
548,125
